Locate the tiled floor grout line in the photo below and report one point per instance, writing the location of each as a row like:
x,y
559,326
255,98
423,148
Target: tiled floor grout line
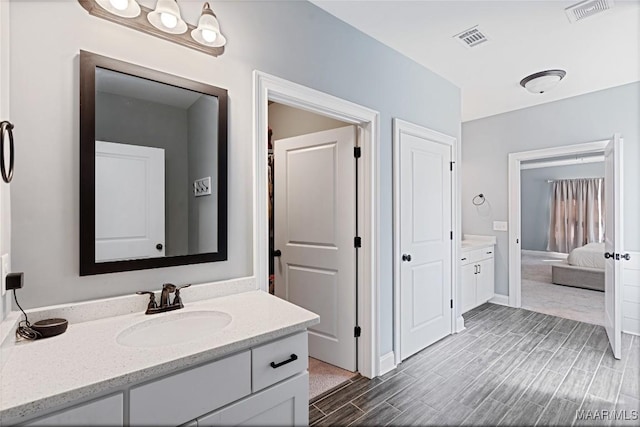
x,y
489,326
506,376
555,392
595,372
624,369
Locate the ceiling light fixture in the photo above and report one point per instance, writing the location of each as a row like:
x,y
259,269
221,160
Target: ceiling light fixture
x,y
208,31
542,81
166,17
124,8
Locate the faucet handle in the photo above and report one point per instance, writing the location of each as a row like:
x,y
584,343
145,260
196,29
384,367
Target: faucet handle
x,y
177,300
152,298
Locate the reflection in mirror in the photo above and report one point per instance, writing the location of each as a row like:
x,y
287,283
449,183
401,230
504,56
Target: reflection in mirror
x,y
159,168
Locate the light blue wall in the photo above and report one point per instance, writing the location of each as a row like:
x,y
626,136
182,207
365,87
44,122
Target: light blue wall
x,y
294,40
487,142
536,199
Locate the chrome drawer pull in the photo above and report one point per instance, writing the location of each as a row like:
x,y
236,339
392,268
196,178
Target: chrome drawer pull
x,y
293,358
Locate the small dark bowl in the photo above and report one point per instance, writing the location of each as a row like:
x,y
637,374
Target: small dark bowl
x,y
50,327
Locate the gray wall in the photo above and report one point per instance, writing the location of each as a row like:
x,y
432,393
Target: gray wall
x,y
487,142
536,199
203,158
293,40
134,121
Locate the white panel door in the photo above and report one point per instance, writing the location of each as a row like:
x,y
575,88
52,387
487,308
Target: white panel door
x,y
425,243
314,230
613,244
129,202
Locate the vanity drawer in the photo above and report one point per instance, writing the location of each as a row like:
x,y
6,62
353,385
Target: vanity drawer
x,y
280,353
193,392
476,255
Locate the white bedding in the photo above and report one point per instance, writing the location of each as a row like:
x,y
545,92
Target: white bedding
x,y
589,255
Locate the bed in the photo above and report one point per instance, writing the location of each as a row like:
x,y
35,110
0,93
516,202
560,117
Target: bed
x,y
584,268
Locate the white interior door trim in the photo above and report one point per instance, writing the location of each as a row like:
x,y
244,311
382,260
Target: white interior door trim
x,y
270,88
515,218
404,127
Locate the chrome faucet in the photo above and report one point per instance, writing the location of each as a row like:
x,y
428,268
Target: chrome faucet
x,y
165,305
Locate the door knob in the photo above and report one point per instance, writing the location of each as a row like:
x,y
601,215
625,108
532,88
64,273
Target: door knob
x,y
159,246
406,257
277,253
608,255
626,257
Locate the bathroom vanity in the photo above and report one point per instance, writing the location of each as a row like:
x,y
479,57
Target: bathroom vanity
x,y
251,369
477,261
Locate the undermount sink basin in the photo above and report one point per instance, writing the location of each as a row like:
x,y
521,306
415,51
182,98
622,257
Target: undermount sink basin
x,y
174,328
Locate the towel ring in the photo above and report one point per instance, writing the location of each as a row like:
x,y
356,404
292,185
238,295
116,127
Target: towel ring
x,y
478,200
8,128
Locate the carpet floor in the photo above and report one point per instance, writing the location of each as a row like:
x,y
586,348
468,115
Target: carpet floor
x,y
539,294
324,377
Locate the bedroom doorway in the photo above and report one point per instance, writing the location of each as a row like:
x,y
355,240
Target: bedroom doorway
x,y
562,239
612,212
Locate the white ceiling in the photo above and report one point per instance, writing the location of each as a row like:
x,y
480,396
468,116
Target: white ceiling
x,y
599,52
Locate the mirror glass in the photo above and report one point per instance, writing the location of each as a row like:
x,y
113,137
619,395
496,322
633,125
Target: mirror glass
x,y
158,165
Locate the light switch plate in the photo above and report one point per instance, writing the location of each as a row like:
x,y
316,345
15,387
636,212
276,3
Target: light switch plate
x,y
4,270
500,225
202,187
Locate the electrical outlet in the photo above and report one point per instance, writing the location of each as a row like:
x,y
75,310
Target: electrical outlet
x,y
202,187
500,225
4,270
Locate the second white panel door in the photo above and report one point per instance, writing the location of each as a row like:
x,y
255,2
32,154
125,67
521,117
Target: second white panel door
x,y
425,242
314,230
130,213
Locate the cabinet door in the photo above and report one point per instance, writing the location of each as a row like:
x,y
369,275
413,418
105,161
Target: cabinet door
x,y
468,296
285,404
485,281
103,412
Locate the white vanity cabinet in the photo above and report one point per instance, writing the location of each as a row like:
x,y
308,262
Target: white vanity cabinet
x,y
265,385
107,411
478,276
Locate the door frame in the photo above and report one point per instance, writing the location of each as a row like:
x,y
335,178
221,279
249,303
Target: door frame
x,y
404,127
515,214
267,88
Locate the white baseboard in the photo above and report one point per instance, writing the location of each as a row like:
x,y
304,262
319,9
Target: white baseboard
x,y
500,299
558,255
387,363
459,324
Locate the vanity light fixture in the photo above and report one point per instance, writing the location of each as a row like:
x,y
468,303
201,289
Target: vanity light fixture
x,y
542,81
165,22
208,30
166,17
124,8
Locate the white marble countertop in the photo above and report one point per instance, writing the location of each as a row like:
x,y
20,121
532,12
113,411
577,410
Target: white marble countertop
x,y
87,360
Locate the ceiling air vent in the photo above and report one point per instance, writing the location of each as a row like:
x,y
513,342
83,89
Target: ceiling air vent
x,y
471,37
587,8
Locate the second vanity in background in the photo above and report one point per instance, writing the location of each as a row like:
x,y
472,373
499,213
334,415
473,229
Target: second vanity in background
x,y
477,266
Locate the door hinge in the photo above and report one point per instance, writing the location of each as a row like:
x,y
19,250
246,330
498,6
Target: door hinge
x,y
357,331
451,235
451,303
357,242
357,152
451,165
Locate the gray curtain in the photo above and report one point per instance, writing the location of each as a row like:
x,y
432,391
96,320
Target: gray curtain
x,y
577,213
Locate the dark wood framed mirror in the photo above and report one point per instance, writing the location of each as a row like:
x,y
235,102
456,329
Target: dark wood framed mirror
x,y
153,168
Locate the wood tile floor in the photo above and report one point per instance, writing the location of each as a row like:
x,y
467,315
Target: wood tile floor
x,y
509,367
